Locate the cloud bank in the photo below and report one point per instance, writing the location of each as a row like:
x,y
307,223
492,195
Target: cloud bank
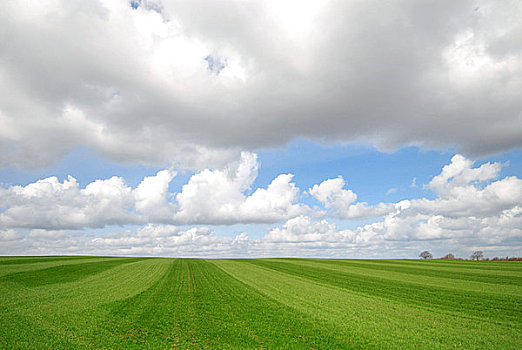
x,y
472,207
213,197
192,84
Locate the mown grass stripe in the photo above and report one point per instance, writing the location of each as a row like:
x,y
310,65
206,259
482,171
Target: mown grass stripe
x,y
7,269
62,273
505,309
116,283
210,310
32,260
414,276
453,265
367,321
54,315
186,303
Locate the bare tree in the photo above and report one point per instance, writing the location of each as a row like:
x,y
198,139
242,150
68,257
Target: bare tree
x,y
449,256
477,255
426,255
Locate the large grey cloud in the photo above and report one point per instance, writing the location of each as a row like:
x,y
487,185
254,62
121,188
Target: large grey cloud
x,y
193,83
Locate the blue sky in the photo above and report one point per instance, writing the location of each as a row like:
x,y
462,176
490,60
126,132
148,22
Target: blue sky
x,y
375,176
369,172
296,129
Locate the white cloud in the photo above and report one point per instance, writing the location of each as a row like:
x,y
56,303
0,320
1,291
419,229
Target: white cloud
x,y
461,189
50,204
138,88
300,229
466,191
275,203
46,234
391,191
338,201
9,235
217,196
332,195
210,197
473,209
362,210
151,196
459,173
470,205
167,240
155,230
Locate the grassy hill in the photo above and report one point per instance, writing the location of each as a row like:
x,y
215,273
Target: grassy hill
x,y
94,302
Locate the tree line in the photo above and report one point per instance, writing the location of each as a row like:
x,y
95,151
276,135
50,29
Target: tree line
x,y
476,255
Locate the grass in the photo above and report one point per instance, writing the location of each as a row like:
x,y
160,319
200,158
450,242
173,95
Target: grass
x,y
89,302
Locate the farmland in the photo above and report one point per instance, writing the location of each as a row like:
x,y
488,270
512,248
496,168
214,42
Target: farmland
x,y
95,302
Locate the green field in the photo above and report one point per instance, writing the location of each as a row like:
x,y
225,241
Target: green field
x,y
90,302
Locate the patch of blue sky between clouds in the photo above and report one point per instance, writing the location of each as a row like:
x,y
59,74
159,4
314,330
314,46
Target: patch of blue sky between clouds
x,y
135,4
511,160
215,63
366,171
150,5
369,173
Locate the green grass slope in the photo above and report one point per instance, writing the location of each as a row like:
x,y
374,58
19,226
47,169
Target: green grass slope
x,y
89,302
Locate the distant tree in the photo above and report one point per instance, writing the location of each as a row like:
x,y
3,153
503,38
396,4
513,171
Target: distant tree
x,y
426,255
449,256
477,255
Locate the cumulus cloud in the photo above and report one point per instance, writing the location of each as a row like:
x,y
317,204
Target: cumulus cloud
x,y
277,201
212,196
304,229
9,235
149,240
461,191
459,173
151,196
218,196
332,195
472,208
51,204
160,239
167,82
338,201
466,191
217,193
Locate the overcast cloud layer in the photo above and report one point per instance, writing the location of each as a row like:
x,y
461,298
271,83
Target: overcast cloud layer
x,y
472,209
192,84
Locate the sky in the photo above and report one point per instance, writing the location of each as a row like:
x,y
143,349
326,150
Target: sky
x,y
340,129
